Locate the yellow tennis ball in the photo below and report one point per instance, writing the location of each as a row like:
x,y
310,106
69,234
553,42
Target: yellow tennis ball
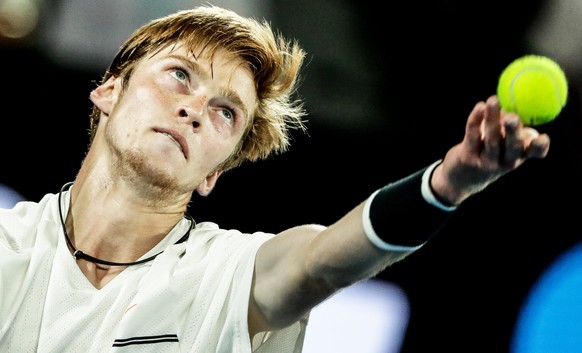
x,y
535,87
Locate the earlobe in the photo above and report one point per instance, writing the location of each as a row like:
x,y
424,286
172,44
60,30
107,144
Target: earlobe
x,y
208,183
103,95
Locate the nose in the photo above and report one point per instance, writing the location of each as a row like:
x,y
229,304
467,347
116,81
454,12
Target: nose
x,y
193,110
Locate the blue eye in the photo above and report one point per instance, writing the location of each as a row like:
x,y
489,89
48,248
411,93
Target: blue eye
x,y
180,74
227,113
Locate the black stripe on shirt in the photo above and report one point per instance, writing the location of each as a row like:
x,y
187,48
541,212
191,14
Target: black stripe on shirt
x,y
121,342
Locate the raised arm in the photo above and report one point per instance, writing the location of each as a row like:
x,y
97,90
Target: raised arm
x,y
304,265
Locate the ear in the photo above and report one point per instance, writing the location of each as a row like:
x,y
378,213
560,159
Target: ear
x,y
208,183
103,95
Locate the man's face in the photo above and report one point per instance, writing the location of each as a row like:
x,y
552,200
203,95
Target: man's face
x,y
179,118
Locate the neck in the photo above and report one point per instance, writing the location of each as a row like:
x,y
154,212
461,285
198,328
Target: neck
x,y
105,263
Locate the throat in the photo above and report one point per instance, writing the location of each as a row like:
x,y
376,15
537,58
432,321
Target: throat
x,y
103,267
99,275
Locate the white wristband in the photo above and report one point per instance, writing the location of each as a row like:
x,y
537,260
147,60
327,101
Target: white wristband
x,y
427,192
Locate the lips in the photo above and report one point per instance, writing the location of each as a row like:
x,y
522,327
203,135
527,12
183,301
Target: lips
x,y
177,138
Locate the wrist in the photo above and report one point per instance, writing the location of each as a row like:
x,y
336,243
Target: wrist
x,y
429,193
401,216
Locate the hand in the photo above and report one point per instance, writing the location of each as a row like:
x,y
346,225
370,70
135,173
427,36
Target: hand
x,y
495,143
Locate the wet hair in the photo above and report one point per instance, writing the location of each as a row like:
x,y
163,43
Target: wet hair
x,y
274,61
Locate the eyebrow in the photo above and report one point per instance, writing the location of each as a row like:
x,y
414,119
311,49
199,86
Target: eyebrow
x,y
228,93
232,96
193,66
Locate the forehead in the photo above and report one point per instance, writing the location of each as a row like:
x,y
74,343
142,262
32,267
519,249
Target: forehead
x,y
221,69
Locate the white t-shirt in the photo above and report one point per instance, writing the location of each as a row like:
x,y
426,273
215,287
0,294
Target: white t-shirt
x,y
193,297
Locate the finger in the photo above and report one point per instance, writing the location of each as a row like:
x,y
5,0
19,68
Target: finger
x,y
522,142
493,139
473,134
517,137
538,147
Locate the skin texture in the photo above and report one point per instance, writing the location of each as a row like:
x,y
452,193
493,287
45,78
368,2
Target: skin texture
x,y
166,136
156,144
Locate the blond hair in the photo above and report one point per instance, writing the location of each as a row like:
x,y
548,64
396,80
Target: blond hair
x,y
273,60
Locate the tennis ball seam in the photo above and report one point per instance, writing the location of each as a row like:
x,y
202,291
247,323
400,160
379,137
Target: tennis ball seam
x,y
551,76
535,87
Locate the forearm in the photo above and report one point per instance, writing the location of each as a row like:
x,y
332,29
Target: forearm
x,y
405,214
395,221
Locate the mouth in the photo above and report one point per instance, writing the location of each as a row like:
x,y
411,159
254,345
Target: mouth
x,y
177,139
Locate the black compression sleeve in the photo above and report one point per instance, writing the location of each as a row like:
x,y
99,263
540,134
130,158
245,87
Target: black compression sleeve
x,y
400,215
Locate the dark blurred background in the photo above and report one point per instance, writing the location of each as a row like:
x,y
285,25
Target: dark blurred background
x,y
388,89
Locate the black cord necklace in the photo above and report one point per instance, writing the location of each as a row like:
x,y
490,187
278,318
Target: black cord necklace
x,y
78,254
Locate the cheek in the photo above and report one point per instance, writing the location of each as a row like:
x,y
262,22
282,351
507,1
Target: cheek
x,y
148,96
217,152
130,112
141,102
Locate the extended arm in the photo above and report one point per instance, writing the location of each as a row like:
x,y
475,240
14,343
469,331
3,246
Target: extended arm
x,y
304,265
